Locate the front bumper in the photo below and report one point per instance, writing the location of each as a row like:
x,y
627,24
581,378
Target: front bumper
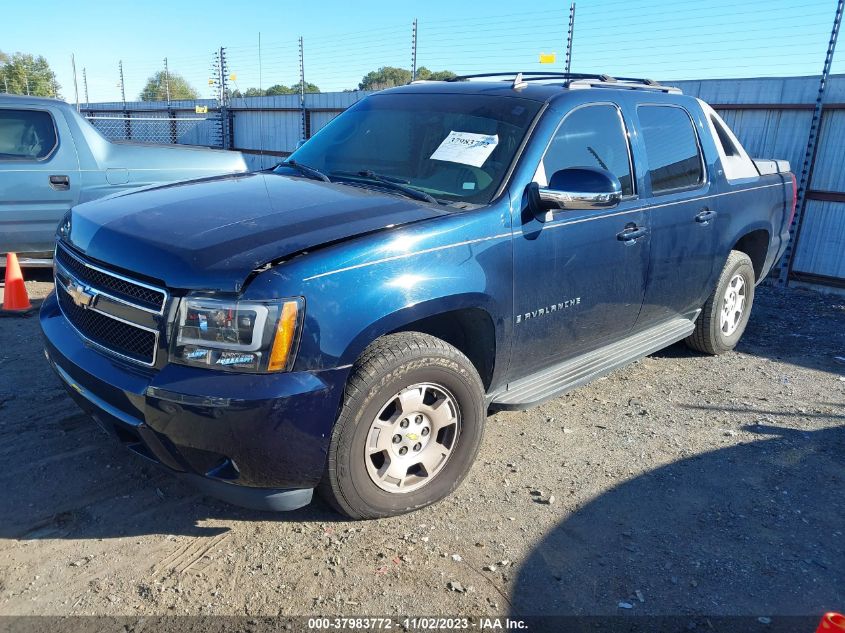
x,y
257,440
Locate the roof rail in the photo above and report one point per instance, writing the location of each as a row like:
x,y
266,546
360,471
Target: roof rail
x,y
573,80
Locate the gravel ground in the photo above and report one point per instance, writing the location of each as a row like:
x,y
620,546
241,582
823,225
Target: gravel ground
x,y
682,484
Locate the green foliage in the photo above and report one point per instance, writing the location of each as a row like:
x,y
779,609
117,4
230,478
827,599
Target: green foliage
x,y
278,89
385,77
309,87
156,88
390,76
429,75
23,73
293,89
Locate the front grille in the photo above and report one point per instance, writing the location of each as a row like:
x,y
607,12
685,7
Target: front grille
x,y
110,283
114,335
114,312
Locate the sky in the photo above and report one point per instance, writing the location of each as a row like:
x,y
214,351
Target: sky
x,y
343,40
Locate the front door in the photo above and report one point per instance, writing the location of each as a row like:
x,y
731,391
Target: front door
x,y
578,280
39,177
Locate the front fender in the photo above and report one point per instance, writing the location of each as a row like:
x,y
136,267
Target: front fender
x,y
365,288
402,317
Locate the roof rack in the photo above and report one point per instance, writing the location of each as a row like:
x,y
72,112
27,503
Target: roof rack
x,y
573,80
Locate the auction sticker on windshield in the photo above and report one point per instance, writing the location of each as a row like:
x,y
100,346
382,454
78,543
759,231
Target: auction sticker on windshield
x,y
466,148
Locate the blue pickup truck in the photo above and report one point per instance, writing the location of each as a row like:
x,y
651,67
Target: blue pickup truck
x,y
346,321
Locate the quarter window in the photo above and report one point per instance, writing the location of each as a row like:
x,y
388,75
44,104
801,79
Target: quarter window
x,y
592,136
26,134
674,158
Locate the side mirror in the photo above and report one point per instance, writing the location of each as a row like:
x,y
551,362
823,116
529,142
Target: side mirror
x,y
576,188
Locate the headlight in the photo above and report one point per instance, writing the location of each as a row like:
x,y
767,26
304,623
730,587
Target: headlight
x,y
244,336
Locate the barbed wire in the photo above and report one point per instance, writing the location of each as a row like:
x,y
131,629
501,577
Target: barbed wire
x,y
608,38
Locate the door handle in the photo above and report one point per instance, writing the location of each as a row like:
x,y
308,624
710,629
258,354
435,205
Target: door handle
x,y
631,234
704,216
60,183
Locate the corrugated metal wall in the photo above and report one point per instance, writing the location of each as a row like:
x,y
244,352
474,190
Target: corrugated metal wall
x,y
771,116
772,119
268,128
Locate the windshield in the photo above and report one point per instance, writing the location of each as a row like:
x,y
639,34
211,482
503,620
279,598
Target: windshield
x,y
456,148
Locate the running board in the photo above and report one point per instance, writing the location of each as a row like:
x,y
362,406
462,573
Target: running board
x,y
558,379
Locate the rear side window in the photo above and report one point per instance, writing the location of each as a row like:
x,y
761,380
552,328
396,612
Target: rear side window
x,y
591,136
724,140
674,158
26,134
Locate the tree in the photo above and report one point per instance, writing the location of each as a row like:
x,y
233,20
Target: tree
x,y
278,89
309,87
293,89
429,75
157,85
390,76
385,77
25,74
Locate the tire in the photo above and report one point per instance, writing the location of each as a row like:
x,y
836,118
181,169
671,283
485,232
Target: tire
x,y
428,374
713,334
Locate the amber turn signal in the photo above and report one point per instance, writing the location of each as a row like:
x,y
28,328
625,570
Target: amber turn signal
x,y
280,354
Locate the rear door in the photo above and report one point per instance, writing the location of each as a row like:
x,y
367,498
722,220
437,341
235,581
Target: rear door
x,y
681,214
39,177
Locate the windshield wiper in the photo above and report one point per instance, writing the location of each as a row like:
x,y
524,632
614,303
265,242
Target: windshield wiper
x,y
391,182
305,170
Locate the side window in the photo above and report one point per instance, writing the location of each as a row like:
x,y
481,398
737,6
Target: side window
x,y
26,134
674,158
592,136
724,140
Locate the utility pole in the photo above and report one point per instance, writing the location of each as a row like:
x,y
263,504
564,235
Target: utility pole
x,y
414,51
174,133
261,93
26,79
122,89
224,78
223,99
304,124
6,83
75,84
569,37
812,147
167,82
127,127
85,86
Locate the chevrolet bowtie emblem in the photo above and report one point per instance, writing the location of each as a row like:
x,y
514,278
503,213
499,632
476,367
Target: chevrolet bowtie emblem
x,y
412,437
81,295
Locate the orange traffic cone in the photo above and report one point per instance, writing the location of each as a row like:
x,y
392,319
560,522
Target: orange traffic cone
x,y
832,623
15,299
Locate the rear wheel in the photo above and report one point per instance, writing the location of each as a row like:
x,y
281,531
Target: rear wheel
x,y
409,430
725,314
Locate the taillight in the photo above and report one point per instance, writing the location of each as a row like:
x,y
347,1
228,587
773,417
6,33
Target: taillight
x,y
794,199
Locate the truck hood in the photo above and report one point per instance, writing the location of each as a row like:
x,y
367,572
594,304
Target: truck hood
x,y
211,234
129,155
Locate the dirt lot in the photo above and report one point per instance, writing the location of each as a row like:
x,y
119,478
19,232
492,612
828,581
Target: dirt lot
x,y
682,485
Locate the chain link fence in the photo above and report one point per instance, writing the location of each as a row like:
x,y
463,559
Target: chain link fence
x,y
184,130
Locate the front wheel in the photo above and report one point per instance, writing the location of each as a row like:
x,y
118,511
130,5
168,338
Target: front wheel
x,y
409,429
725,314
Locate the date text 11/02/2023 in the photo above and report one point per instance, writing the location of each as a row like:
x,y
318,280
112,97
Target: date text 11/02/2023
x,y
415,624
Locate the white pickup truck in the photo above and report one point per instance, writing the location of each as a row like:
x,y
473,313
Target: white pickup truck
x,y
52,158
